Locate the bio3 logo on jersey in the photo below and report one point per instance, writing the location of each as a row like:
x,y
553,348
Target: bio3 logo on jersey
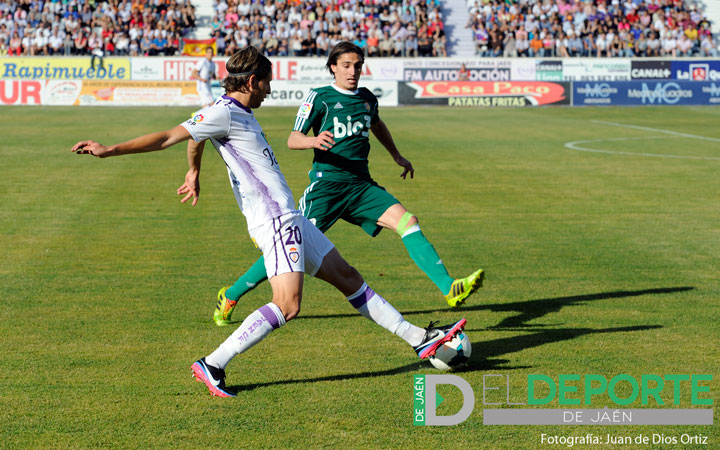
x,y
350,128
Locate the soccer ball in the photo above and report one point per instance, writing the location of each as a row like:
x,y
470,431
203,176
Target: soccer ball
x,y
453,353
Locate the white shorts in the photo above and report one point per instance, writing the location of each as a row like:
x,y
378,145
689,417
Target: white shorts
x,y
206,97
290,243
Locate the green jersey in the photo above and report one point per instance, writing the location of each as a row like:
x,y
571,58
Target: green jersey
x,y
348,116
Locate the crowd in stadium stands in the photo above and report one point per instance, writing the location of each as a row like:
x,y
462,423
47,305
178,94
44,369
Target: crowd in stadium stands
x,y
81,27
565,28
311,27
156,27
542,28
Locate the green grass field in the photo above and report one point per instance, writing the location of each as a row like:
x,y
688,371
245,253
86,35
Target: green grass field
x,y
597,263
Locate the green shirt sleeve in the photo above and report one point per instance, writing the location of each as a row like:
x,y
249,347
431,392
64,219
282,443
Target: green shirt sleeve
x,y
311,110
373,102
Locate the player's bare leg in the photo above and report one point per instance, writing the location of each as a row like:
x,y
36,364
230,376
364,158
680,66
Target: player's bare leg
x,y
285,305
336,271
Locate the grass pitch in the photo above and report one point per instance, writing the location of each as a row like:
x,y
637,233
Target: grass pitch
x,y
601,244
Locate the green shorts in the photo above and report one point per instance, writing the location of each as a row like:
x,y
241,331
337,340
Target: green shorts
x,y
360,203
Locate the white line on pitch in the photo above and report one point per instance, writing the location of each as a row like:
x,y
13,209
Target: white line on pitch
x,y
574,145
693,136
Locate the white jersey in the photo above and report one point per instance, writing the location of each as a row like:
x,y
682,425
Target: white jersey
x,y
259,186
206,71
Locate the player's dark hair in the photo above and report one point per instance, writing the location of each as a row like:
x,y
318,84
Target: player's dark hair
x,y
340,49
244,63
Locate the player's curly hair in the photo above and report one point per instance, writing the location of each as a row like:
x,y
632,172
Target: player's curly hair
x,y
244,63
340,49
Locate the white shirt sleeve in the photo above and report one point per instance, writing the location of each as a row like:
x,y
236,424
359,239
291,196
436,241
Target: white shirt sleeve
x,y
210,122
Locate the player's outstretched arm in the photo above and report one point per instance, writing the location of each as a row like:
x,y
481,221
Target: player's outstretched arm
x,y
191,187
299,141
382,133
148,143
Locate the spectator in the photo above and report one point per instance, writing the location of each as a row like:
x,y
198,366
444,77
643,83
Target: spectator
x,y
424,43
463,73
15,46
536,46
386,45
440,46
510,45
373,42
623,25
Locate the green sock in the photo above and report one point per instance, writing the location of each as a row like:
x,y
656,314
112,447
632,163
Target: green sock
x,y
422,252
250,279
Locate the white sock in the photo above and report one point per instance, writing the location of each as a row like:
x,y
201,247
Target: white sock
x,y
374,307
253,330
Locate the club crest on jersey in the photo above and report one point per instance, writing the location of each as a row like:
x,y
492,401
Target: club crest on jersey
x,y
367,106
294,255
304,111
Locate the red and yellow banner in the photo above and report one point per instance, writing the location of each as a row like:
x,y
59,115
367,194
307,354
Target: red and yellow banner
x,y
196,47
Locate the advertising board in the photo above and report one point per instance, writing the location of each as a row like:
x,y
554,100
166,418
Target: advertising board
x,y
79,68
287,93
484,93
667,92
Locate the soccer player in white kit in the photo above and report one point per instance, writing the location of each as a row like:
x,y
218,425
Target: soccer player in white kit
x,y
291,245
204,72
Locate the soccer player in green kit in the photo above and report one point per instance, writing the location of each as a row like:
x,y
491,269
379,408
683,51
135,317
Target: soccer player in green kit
x,y
341,117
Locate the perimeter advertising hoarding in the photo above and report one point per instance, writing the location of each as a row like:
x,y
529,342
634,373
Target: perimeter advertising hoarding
x,y
449,69
39,92
284,69
21,92
523,69
549,70
650,92
62,68
156,93
484,93
650,70
292,93
591,69
138,93
696,70
98,92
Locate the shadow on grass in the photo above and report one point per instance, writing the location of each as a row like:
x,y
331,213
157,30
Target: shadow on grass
x,y
486,353
529,309
484,356
417,366
533,309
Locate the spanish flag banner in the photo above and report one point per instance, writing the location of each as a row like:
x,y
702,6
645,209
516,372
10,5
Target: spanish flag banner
x,y
196,47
